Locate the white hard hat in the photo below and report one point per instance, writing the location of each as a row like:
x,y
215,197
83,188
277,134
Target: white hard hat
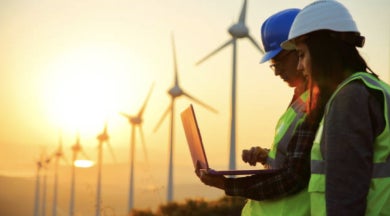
x,y
320,15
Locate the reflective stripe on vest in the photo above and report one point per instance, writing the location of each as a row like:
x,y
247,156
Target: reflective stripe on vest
x,y
277,155
380,170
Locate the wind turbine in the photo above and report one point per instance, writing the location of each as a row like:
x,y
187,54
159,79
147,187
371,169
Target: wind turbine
x,y
45,164
134,122
237,31
103,138
39,164
59,154
76,148
175,92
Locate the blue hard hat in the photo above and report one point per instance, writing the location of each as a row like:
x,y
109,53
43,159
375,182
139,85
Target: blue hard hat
x,y
275,30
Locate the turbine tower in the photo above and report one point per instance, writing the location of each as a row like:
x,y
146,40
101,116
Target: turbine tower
x,y
59,154
135,121
103,138
76,149
175,92
237,31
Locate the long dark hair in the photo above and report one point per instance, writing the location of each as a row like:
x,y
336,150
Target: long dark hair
x,y
332,61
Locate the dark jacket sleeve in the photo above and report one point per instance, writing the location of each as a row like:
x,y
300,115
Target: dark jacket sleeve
x,y
293,177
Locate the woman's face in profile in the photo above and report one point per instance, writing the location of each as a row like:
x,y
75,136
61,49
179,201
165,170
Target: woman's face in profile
x,y
304,62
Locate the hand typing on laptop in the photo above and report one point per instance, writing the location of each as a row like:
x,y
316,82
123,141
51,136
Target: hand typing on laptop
x,y
255,155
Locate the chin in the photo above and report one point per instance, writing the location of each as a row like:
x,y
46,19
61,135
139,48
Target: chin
x,y
290,84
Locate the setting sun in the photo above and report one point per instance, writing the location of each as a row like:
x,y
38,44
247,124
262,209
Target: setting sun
x,y
84,163
86,86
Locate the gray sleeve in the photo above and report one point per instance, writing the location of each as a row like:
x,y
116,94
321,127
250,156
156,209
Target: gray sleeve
x,y
354,120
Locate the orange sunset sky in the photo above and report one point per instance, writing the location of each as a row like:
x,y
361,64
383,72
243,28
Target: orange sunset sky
x,y
71,66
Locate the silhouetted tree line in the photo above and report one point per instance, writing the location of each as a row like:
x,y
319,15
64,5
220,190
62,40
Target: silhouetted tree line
x,y
226,206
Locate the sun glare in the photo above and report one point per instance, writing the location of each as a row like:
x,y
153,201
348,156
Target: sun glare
x,y
84,163
87,86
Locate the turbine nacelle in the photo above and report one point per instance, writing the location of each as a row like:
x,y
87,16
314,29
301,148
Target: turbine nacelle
x,y
39,164
76,147
59,154
239,30
175,91
135,120
47,160
103,137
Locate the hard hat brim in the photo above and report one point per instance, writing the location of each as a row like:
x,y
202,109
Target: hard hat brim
x,y
288,45
270,54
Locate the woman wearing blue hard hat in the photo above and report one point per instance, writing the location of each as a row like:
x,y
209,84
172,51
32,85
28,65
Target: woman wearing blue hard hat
x,y
282,191
351,153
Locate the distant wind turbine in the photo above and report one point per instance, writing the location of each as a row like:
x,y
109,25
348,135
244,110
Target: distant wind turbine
x,y
237,31
59,154
39,164
134,122
76,149
175,92
45,165
103,138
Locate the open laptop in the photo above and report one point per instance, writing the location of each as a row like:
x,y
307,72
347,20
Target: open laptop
x,y
195,144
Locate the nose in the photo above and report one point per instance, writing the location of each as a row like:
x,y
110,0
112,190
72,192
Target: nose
x,y
300,66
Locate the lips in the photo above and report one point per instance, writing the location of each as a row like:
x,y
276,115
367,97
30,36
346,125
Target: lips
x,y
284,78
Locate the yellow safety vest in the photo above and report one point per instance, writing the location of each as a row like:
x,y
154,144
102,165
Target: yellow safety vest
x,y
378,199
297,204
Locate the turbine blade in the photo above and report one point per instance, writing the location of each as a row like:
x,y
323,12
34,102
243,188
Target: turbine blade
x,y
65,159
174,60
162,118
60,140
124,115
215,51
146,101
200,102
105,127
84,154
144,145
256,44
111,151
78,138
243,13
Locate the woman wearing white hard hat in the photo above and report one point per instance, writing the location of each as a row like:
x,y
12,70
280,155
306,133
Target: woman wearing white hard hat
x,y
350,161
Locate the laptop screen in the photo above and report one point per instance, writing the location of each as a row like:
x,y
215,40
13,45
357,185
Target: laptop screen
x,y
198,154
194,138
